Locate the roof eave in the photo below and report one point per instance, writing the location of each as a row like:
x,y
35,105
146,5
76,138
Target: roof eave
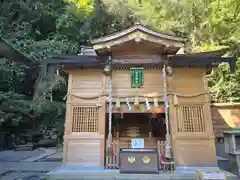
x,y
215,53
174,61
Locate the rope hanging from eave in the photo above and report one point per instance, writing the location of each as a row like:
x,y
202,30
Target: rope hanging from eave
x,y
166,107
140,96
109,138
165,96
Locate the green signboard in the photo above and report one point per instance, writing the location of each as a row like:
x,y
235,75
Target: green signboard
x,y
137,77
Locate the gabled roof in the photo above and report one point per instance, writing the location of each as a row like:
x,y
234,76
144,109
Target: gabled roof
x,y
137,27
137,34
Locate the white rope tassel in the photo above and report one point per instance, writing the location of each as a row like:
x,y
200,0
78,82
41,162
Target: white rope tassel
x,y
118,103
136,101
147,104
175,100
155,100
128,104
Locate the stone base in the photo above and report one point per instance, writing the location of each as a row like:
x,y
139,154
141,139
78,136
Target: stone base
x,y
223,163
184,169
98,173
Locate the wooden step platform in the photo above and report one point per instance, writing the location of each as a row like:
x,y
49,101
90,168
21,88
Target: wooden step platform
x,y
80,173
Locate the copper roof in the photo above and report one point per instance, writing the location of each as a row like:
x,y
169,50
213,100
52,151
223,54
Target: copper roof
x,y
140,28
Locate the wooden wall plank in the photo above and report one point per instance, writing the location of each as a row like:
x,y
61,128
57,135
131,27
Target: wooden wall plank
x,y
194,133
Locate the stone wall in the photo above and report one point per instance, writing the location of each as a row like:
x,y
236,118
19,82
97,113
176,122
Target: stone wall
x,y
224,117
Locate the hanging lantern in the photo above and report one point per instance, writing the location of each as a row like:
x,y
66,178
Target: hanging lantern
x,y
136,101
118,103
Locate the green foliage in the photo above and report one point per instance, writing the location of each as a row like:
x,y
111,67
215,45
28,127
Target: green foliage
x,y
31,27
11,76
49,116
14,108
29,118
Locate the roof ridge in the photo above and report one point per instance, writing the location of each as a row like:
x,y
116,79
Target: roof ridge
x,y
136,27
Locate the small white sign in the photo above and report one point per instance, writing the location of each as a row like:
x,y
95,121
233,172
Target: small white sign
x,y
137,143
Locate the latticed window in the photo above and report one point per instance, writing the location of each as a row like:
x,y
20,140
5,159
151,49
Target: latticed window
x,y
85,119
191,118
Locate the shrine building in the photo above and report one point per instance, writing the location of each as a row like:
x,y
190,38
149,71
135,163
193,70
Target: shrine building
x,y
137,96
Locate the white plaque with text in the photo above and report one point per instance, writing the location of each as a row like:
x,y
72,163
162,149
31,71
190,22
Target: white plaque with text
x,y
138,143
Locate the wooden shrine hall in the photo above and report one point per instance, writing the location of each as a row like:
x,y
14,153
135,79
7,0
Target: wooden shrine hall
x,y
135,97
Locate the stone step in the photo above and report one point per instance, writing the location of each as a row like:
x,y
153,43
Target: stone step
x,y
90,173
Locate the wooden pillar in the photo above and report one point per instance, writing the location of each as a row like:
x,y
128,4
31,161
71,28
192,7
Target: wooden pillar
x,y
68,121
102,125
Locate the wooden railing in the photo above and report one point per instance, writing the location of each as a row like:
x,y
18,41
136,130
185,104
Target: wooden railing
x,y
112,159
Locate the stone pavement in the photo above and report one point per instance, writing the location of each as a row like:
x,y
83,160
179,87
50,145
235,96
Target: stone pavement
x,y
21,165
33,165
47,152
24,176
56,157
80,173
16,156
29,166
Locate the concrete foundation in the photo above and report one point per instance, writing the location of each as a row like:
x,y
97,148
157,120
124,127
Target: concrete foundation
x,y
97,173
